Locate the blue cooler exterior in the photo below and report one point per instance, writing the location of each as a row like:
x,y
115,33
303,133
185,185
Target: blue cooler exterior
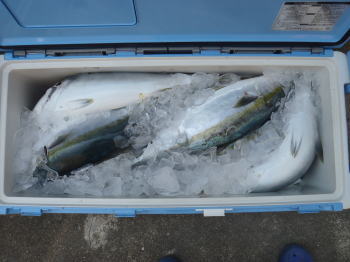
x,y
47,29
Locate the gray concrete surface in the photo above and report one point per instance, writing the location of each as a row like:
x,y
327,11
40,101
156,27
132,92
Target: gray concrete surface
x,y
236,237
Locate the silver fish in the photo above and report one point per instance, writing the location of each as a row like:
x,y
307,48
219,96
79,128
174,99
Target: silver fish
x,y
73,100
232,112
82,146
98,92
294,156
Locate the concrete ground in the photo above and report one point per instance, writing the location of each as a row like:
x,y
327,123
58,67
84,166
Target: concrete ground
x,y
236,237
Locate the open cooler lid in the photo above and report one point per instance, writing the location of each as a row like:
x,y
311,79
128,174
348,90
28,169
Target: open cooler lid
x,y
66,22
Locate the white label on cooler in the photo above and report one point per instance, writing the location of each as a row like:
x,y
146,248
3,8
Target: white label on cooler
x,y
309,16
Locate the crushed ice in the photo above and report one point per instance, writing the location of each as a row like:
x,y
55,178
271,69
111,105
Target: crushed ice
x,y
211,173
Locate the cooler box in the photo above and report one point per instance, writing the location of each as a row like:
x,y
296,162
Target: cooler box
x,y
44,41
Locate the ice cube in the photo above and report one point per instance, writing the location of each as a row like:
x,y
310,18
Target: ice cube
x,y
164,181
113,187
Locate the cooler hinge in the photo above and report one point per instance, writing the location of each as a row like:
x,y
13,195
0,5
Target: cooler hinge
x,y
2,51
254,50
81,52
97,52
220,50
166,50
274,50
25,54
42,53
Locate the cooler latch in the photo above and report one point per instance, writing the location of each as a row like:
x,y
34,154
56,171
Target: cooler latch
x,y
31,211
24,211
125,213
214,212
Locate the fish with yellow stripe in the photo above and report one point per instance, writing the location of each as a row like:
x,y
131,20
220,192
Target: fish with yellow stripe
x,y
231,113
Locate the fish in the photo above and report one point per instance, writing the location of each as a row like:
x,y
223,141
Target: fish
x,y
294,156
92,144
85,140
75,99
231,113
79,97
97,92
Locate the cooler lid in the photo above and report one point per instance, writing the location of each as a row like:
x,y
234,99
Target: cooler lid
x,y
66,22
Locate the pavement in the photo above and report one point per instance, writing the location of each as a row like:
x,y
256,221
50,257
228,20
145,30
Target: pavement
x,y
194,238
236,237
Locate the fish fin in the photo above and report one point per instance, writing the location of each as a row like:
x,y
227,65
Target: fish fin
x,y
46,153
221,149
165,89
245,100
295,145
319,150
40,106
138,164
58,141
218,87
51,91
227,78
243,77
118,109
78,103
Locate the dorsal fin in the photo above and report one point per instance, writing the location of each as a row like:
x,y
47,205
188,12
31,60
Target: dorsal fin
x,y
245,100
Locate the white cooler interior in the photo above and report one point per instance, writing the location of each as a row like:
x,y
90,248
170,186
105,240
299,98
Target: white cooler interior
x,y
24,82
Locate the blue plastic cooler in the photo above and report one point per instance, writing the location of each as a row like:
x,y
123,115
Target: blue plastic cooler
x,y
42,41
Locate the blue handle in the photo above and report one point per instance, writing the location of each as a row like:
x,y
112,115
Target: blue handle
x,y
348,55
347,102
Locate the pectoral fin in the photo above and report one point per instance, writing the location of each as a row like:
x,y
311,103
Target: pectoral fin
x,y
295,145
77,104
319,150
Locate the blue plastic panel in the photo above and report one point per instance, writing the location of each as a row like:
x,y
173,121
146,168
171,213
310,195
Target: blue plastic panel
x,y
67,13
348,55
132,212
347,85
9,54
158,21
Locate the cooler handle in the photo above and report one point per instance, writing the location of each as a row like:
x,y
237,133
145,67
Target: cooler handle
x,y
347,106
